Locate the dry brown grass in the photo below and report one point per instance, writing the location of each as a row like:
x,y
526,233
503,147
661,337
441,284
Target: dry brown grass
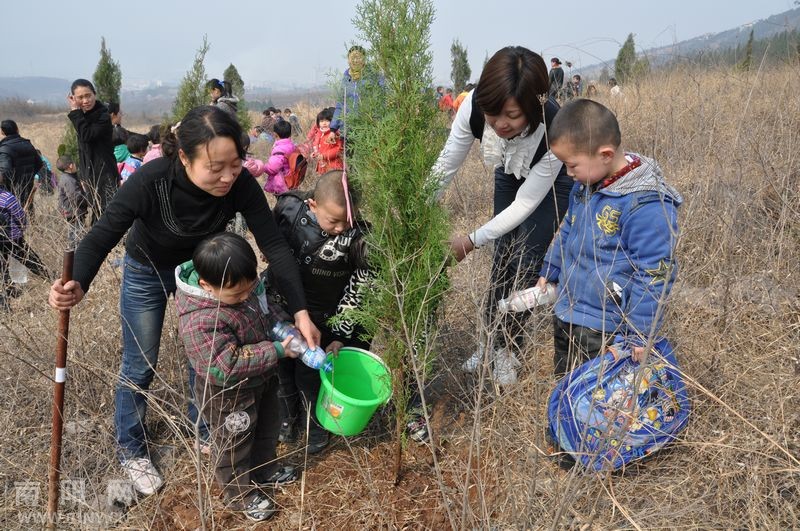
x,y
730,143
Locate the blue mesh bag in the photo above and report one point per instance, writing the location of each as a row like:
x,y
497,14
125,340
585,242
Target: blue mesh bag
x,y
595,415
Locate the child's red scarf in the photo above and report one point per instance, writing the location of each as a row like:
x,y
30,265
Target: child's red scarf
x,y
635,162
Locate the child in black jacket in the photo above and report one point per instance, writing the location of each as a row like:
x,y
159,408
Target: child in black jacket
x,y
331,254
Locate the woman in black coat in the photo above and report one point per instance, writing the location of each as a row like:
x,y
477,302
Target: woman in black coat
x,y
97,165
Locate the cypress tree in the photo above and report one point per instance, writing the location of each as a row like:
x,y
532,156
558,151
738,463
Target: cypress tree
x,y
395,142
641,68
107,76
747,60
626,58
231,75
192,90
460,70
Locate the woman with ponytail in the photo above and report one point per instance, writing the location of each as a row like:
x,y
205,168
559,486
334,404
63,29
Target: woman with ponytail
x,y
222,96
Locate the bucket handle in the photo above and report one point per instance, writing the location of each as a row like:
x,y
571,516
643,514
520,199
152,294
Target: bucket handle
x,y
379,360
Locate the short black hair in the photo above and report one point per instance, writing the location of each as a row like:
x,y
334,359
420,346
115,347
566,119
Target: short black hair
x,y
356,48
586,125
9,127
154,134
329,188
113,107
224,87
63,162
80,82
283,129
325,114
137,143
225,259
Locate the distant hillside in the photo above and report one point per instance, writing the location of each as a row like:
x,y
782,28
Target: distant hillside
x,y
711,42
39,89
762,30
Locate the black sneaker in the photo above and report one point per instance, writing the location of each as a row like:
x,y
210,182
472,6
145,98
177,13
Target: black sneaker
x,y
288,433
417,428
318,439
562,459
260,507
13,291
285,475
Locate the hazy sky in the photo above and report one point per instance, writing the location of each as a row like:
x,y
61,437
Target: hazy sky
x,y
302,41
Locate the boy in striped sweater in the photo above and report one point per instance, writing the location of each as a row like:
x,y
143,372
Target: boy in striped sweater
x,y
225,324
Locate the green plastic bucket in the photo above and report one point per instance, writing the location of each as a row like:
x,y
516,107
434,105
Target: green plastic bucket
x,y
349,395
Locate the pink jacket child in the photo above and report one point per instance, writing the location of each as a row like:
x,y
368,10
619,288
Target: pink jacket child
x,y
278,166
153,153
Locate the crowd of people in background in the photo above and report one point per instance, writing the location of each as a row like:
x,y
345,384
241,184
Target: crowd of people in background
x,y
562,88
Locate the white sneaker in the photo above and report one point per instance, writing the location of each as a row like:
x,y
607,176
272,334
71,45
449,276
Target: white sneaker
x,y
504,371
473,362
144,476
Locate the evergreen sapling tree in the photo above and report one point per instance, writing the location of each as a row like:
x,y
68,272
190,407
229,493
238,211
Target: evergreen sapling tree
x,y
747,60
231,75
69,142
192,90
395,142
460,70
641,68
625,60
107,76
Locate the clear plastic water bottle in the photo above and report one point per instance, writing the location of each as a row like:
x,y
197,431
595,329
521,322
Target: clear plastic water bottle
x,y
314,358
17,271
519,301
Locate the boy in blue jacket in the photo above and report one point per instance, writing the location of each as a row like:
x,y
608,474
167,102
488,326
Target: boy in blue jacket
x,y
614,255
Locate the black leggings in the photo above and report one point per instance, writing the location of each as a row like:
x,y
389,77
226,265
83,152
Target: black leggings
x,y
575,345
518,255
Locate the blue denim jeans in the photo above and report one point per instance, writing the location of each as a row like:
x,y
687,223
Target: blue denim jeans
x,y
143,302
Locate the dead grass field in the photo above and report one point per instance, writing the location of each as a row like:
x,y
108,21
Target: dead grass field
x,y
729,141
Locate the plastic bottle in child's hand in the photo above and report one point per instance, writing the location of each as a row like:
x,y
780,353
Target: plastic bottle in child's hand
x,y
314,358
519,301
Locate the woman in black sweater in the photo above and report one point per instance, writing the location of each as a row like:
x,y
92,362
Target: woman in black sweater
x,y
97,164
170,205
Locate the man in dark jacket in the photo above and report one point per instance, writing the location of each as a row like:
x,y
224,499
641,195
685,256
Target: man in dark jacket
x,y
19,161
